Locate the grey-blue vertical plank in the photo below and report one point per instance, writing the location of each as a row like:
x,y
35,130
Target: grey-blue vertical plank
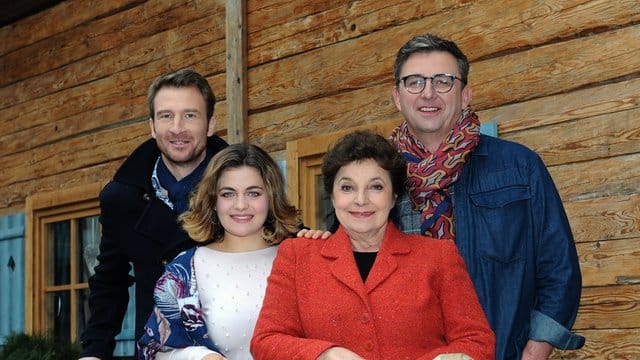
x,y
11,275
125,341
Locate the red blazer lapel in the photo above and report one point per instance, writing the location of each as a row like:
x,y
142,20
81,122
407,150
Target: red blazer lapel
x,y
337,251
386,262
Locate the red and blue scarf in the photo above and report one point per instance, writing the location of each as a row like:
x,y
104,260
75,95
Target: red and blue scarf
x,y
431,174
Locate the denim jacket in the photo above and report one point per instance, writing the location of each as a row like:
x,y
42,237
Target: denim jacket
x,y
513,233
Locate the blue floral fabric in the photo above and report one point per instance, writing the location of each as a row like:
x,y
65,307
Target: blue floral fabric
x,y
177,320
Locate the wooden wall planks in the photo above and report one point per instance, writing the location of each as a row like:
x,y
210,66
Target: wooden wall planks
x,y
560,77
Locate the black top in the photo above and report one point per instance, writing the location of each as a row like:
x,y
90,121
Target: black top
x,y
365,261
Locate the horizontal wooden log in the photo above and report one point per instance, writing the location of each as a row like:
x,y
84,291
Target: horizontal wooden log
x,y
183,45
378,95
600,137
615,315
74,153
277,126
608,98
100,35
617,175
59,18
556,68
14,195
606,262
274,128
329,71
38,135
611,344
90,159
604,218
119,98
77,152
610,294
51,115
144,49
305,26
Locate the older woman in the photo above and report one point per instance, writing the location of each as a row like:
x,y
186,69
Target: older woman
x,y
369,291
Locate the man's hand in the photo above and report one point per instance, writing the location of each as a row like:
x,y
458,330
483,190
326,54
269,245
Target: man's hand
x,y
313,234
339,353
537,350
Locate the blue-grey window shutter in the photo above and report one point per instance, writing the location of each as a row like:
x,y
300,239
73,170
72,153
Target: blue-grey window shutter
x,y
11,275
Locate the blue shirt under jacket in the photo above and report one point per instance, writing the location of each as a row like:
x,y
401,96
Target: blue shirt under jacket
x,y
513,233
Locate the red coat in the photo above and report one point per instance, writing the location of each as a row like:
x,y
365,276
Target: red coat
x,y
417,302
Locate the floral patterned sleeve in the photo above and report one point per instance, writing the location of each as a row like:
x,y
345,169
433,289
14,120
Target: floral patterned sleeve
x,y
177,320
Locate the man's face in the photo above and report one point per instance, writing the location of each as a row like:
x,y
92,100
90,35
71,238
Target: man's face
x,y
181,128
430,115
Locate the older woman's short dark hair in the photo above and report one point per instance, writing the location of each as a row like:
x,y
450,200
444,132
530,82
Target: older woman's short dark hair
x,y
360,146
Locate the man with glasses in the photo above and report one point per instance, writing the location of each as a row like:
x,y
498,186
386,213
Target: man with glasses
x,y
493,198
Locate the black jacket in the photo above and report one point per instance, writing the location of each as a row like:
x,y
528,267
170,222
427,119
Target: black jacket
x,y
139,229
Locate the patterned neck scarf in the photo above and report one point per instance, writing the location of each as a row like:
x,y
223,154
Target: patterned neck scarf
x,y
176,193
430,174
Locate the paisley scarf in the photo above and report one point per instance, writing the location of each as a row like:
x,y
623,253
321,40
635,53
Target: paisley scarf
x,y
430,174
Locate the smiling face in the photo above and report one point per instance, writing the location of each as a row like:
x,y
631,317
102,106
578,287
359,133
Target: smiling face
x,y
431,115
363,198
180,127
242,204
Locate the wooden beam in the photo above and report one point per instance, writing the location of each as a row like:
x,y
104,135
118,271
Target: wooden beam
x,y
237,104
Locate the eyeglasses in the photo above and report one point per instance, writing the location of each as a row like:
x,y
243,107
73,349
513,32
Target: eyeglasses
x,y
441,83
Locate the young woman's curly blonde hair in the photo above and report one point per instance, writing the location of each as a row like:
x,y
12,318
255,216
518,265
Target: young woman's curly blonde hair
x,y
201,221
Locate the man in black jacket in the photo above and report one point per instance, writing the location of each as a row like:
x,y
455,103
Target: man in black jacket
x,y
139,207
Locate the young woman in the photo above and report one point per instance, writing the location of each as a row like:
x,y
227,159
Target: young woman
x,y
208,300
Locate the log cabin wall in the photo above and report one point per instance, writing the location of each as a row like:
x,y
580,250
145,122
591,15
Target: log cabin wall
x,y
562,77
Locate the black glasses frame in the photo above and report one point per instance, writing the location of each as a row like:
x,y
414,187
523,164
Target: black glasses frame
x,y
451,77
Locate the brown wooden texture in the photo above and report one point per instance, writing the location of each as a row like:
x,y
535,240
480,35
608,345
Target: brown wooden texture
x,y
187,45
64,16
507,79
610,314
491,89
611,344
313,24
605,217
236,69
609,262
78,153
618,175
562,78
102,34
600,137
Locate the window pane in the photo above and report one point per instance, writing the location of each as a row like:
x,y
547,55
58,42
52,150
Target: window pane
x,y
58,315
88,244
58,244
82,307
